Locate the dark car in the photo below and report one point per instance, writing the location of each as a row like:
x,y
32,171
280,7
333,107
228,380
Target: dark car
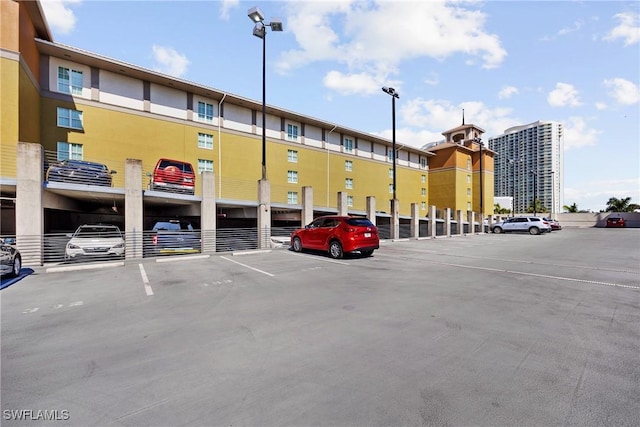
x,y
10,259
337,235
80,172
174,236
174,176
616,221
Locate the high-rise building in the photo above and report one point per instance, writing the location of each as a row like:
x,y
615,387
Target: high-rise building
x,y
529,165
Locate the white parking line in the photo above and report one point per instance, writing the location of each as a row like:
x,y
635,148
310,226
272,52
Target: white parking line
x,y
247,266
176,258
320,258
145,280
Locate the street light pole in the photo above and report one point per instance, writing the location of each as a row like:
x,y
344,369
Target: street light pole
x,y
391,91
260,31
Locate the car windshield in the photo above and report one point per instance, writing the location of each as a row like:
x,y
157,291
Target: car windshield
x,y
184,167
98,231
360,222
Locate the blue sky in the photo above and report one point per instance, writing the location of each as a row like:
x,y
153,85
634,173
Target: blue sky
x,y
505,63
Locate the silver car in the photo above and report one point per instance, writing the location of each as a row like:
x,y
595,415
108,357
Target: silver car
x,y
525,224
95,241
10,259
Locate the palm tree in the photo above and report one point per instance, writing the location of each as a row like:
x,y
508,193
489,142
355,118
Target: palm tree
x,y
537,207
618,205
571,209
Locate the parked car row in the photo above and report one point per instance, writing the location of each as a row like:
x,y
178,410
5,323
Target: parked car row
x,y
10,259
168,175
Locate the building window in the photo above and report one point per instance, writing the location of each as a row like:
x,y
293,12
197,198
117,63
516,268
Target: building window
x,y
348,183
390,173
69,81
205,112
468,163
292,156
292,177
292,132
391,188
69,118
468,179
292,197
348,145
423,179
468,192
67,150
349,200
205,165
348,165
423,191
423,163
468,206
205,140
390,154
423,206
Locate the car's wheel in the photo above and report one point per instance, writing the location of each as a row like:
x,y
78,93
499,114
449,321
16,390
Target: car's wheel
x,y
17,266
335,249
497,230
367,253
297,244
534,230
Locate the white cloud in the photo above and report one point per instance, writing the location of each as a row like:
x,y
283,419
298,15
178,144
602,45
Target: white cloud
x,y
432,79
364,35
623,91
627,29
593,195
507,91
348,84
578,135
601,106
59,14
226,7
169,61
564,95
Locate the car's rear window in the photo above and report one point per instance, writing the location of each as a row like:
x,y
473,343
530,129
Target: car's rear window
x,y
173,226
184,167
360,222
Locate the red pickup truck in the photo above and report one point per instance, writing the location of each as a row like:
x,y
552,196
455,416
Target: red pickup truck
x,y
174,176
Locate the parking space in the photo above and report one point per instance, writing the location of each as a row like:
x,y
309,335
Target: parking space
x,y
483,330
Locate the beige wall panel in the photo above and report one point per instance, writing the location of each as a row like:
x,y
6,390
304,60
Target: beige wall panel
x,y
121,90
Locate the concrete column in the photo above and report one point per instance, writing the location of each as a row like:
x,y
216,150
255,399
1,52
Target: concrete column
x,y
481,219
342,203
306,216
133,208
264,214
460,221
471,217
433,230
490,222
447,222
415,220
208,214
371,209
395,219
29,206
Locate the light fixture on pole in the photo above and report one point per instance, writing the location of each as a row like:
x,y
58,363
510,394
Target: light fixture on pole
x,y
260,31
391,91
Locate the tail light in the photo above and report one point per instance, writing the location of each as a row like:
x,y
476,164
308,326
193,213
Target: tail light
x,y
154,240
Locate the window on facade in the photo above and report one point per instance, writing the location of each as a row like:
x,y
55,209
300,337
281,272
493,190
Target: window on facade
x,y
423,163
468,163
292,132
390,173
292,197
391,188
348,145
423,179
468,192
468,179
349,200
423,191
423,206
468,206
205,165
205,140
348,165
205,111
67,150
292,156
348,183
390,154
292,177
69,81
69,118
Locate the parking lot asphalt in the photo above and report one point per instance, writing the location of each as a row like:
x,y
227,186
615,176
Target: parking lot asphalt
x,y
494,330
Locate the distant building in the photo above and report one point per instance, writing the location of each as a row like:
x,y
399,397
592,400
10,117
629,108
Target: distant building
x,y
529,164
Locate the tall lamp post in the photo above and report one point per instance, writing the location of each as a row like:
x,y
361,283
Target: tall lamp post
x,y
260,31
395,229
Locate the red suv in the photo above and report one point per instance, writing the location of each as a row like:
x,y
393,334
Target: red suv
x,y
174,176
337,235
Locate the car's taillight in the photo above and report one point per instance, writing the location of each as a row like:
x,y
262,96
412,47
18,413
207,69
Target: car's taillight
x,y
154,239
